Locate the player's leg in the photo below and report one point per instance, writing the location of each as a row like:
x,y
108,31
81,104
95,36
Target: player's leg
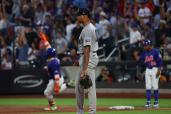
x,y
92,93
155,81
148,86
92,90
62,84
48,92
79,91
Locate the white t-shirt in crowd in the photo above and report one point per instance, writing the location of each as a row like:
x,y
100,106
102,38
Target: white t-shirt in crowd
x,y
105,23
69,29
135,36
3,24
144,12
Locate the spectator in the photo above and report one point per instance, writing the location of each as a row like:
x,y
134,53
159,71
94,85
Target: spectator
x,y
3,20
105,76
6,60
128,9
165,49
144,13
32,52
106,33
80,3
16,7
75,35
156,18
22,49
61,45
150,5
134,39
39,14
6,55
168,28
113,21
72,58
30,35
120,7
160,33
26,16
69,28
47,26
147,31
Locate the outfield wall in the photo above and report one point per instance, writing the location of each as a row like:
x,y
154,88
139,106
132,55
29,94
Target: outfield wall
x,y
29,80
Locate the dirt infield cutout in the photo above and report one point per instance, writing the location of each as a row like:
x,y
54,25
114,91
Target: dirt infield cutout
x,y
39,109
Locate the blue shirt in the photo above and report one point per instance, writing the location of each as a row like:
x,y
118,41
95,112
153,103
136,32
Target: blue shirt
x,y
151,58
53,68
22,53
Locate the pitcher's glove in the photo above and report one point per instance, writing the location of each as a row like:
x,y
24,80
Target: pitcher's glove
x,y
86,82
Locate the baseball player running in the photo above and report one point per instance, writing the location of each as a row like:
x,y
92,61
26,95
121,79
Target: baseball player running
x,y
151,59
88,46
56,81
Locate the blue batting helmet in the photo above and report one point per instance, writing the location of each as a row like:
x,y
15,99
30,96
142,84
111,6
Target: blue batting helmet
x,y
147,42
51,52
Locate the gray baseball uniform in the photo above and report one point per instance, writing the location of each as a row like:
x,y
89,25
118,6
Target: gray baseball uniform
x,y
87,37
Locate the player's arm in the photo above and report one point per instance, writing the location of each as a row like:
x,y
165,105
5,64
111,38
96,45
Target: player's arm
x,y
86,50
44,38
140,59
58,81
159,63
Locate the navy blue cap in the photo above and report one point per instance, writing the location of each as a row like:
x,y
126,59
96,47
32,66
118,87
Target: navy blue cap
x,y
134,25
147,42
51,52
83,11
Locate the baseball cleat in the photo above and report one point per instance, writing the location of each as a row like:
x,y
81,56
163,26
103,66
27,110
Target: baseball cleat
x,y
156,105
148,105
50,108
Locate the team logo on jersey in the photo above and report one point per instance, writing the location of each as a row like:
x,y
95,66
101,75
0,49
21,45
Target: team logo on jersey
x,y
87,40
149,58
28,81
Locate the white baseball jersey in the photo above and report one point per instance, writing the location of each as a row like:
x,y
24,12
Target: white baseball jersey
x,y
88,37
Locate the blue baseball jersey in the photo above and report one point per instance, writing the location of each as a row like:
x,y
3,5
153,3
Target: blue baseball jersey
x,y
54,68
151,58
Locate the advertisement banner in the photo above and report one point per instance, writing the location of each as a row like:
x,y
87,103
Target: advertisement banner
x,y
23,81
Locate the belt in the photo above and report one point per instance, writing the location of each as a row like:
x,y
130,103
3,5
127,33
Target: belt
x,y
91,51
151,67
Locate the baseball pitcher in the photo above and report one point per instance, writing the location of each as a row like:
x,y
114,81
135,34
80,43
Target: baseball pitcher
x,y
88,46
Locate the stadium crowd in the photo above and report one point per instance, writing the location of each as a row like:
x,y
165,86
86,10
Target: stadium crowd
x,y
115,20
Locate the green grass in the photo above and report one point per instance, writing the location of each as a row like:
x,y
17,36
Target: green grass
x,y
34,101
100,102
72,102
122,112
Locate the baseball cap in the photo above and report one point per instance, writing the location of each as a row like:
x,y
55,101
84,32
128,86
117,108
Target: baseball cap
x,y
51,52
134,25
147,42
102,13
83,11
